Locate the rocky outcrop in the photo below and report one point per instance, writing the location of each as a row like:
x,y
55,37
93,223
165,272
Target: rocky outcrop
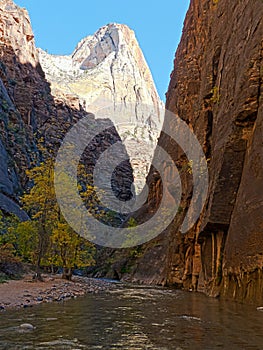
x,y
216,87
108,70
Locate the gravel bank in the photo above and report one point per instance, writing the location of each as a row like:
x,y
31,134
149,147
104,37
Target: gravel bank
x,y
26,292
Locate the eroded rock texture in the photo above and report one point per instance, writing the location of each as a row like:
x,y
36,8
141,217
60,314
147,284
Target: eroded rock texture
x,y
216,87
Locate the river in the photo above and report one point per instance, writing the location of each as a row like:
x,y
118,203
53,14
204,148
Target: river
x,y
134,318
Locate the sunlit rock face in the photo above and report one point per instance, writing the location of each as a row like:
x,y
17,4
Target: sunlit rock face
x,y
15,29
108,73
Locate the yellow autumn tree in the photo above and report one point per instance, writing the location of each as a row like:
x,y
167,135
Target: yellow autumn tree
x,y
22,237
25,238
42,206
58,244
70,250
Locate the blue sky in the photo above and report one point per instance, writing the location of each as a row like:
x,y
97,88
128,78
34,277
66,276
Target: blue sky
x,y
60,24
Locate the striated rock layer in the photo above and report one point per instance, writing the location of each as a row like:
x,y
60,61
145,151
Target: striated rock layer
x,y
216,87
108,70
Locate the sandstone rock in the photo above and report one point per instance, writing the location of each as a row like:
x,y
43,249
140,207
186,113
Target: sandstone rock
x,y
108,70
216,87
15,29
17,144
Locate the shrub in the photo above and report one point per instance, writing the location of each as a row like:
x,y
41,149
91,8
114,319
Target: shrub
x,y
10,265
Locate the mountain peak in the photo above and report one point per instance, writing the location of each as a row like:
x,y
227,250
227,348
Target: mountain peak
x,y
109,69
93,49
115,26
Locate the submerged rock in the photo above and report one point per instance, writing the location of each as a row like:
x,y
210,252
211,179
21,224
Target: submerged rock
x,y
27,327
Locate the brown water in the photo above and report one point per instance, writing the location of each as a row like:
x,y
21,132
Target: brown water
x,y
135,318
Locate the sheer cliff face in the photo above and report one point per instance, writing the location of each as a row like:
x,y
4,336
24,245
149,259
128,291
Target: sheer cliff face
x,y
216,87
29,113
108,69
18,59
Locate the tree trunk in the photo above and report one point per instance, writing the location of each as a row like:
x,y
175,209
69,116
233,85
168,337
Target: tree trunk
x,y
67,273
42,249
37,275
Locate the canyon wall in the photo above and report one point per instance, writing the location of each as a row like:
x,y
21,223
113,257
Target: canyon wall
x,y
19,73
216,88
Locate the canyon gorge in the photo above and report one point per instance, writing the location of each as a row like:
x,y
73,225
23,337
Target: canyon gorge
x,y
215,87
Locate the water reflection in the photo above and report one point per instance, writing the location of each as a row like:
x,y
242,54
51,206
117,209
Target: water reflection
x,y
136,318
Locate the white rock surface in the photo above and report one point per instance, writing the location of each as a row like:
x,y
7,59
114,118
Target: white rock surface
x,y
108,70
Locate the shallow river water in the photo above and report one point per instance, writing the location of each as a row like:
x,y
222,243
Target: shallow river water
x,y
134,318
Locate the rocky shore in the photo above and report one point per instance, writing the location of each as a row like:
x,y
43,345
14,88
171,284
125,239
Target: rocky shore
x,y
27,293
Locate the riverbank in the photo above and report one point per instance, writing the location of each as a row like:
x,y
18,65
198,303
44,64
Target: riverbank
x,y
27,292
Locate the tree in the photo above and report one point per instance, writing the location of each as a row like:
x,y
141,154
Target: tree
x,y
25,238
57,243
69,250
42,206
10,264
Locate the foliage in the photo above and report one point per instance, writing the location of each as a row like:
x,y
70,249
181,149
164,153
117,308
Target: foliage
x,y
10,265
58,244
45,240
26,240
215,95
7,254
41,205
41,200
69,249
5,223
132,222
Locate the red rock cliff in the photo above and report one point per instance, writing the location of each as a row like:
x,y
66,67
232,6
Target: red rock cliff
x,y
216,87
